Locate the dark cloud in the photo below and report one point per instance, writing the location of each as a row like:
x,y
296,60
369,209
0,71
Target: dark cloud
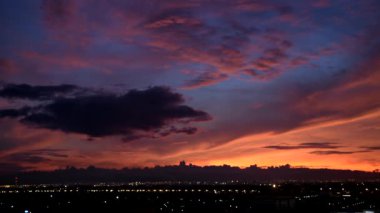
x,y
162,132
27,158
14,113
19,162
25,91
371,148
137,112
310,145
322,145
58,153
36,156
14,163
335,152
185,130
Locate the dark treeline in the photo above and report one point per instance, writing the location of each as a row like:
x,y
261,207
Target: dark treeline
x,y
190,172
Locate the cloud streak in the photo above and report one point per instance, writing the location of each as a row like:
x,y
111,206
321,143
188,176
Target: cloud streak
x,y
309,145
205,79
335,152
371,148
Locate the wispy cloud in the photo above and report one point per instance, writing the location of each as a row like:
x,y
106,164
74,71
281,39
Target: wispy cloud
x,y
371,148
335,152
308,145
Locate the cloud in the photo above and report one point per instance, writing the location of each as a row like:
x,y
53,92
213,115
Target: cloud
x,y
309,145
335,152
7,67
206,78
25,91
231,36
233,41
272,57
58,13
14,113
26,160
36,156
156,110
15,136
339,98
26,157
173,21
371,148
58,153
272,61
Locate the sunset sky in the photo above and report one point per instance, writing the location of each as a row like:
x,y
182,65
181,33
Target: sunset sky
x,y
134,83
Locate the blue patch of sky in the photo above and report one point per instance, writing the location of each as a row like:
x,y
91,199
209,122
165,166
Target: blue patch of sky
x,y
21,26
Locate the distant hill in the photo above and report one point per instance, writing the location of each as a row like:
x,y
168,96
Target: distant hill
x,y
190,172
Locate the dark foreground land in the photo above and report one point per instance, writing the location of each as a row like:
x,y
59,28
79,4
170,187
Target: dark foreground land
x,y
193,197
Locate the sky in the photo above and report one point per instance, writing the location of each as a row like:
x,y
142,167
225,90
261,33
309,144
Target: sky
x,y
139,83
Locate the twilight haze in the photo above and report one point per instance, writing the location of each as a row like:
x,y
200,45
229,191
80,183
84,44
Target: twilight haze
x,y
135,83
